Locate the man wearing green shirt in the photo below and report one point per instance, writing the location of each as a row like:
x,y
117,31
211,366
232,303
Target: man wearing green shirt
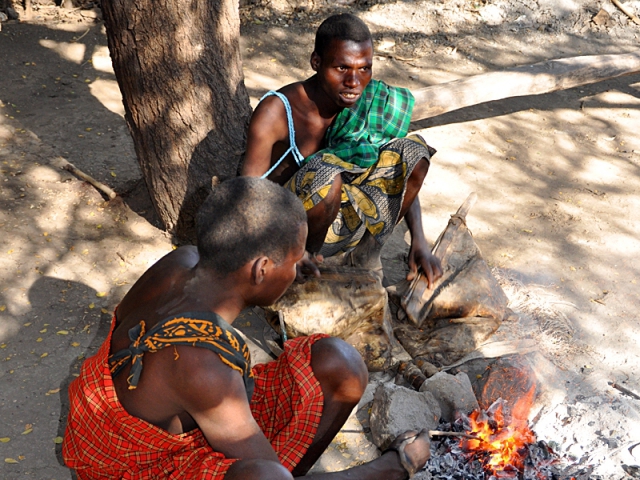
x,y
335,140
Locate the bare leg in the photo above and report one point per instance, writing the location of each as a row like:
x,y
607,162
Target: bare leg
x,y
367,252
343,377
322,215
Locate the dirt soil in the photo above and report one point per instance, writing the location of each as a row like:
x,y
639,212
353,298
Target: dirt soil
x,y
557,176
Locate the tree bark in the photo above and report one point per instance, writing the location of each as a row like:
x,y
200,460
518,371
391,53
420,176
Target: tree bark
x,y
179,69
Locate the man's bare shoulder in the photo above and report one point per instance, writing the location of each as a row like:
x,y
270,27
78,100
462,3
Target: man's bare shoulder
x,y
198,369
273,107
295,92
269,119
163,277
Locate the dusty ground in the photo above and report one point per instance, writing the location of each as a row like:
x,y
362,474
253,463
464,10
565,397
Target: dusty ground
x,y
557,176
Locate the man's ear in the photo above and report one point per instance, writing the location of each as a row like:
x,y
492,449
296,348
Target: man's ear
x,y
315,61
259,269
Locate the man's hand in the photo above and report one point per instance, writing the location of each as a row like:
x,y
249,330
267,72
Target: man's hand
x,y
308,265
421,257
414,450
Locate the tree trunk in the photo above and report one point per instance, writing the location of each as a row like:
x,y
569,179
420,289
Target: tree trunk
x,y
179,69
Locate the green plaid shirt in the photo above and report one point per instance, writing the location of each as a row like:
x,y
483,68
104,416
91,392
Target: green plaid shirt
x,y
380,115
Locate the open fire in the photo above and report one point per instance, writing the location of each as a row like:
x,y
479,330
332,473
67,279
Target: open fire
x,y
503,432
497,442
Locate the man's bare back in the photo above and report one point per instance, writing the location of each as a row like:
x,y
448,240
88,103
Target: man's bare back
x,y
161,292
247,253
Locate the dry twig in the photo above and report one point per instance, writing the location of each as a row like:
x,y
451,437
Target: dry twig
x,y
81,36
70,167
627,12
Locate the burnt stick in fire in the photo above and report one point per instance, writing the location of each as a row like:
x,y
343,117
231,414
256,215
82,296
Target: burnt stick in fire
x,y
624,390
440,433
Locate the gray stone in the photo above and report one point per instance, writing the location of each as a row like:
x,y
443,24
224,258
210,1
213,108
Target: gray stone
x,y
12,14
397,409
560,8
375,379
452,393
492,14
422,475
611,442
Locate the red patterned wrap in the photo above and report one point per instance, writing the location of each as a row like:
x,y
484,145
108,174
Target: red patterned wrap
x,y
103,441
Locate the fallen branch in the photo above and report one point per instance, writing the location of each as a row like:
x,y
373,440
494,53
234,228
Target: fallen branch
x,y
70,167
544,77
624,390
627,12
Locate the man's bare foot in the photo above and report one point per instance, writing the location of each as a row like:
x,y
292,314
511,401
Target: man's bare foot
x,y
366,255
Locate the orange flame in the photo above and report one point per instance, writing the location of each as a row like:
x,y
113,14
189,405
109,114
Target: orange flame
x,y
501,439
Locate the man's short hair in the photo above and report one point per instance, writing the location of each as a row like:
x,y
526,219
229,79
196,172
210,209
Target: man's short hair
x,y
244,218
344,26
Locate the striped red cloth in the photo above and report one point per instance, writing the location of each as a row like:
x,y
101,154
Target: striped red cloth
x,y
103,441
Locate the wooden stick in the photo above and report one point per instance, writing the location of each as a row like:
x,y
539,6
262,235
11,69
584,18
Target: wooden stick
x,y
624,390
440,433
81,36
544,77
496,350
627,12
28,9
70,167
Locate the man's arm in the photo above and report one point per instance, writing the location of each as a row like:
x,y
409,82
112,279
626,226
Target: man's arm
x,y
268,126
215,397
419,254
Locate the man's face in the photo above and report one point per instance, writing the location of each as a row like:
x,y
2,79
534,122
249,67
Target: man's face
x,y
344,70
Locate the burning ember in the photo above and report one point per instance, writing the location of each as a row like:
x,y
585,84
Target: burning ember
x,y
501,440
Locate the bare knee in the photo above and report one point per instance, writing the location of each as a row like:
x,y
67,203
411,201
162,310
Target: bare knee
x,y
340,369
257,470
418,174
321,216
327,209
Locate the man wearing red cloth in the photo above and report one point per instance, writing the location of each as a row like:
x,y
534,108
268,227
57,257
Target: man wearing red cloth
x,y
170,394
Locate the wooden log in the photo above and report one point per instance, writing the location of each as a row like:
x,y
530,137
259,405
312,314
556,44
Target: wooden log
x,y
28,9
544,77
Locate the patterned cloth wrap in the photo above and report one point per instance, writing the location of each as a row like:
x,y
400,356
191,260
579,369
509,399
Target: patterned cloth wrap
x,y
103,441
196,329
371,197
